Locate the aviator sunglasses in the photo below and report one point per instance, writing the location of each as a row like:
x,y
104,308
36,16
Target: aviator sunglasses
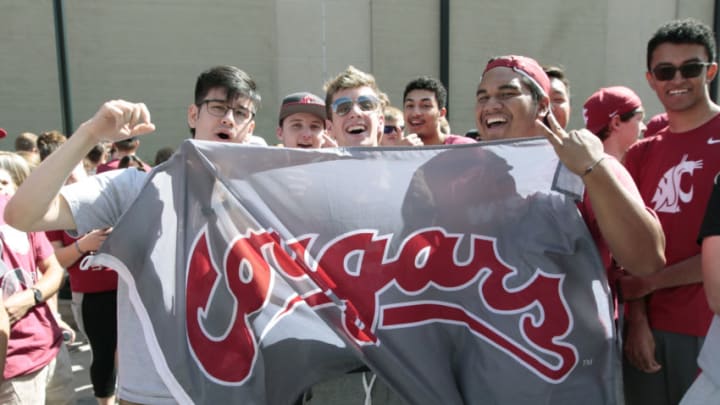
x,y
688,70
343,105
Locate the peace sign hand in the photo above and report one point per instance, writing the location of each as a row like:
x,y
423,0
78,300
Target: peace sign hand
x,y
578,150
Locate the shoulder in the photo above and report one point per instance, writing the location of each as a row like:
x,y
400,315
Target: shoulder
x,y
457,139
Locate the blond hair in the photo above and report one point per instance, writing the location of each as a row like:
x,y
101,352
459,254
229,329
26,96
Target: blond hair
x,y
15,165
350,78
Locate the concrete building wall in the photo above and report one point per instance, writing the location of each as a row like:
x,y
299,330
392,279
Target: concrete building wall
x,y
152,51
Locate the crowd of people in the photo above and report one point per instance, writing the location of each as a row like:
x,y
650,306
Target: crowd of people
x,y
644,203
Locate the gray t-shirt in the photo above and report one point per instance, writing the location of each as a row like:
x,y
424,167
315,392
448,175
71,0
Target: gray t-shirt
x,y
99,202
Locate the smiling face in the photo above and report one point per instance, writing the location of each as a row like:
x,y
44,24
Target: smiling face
x,y
357,127
301,130
422,114
228,128
560,101
505,107
681,94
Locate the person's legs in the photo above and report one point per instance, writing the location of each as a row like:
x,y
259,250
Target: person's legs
x,y
26,389
59,387
99,314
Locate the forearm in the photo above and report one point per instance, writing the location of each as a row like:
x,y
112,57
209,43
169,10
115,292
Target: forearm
x,y
688,271
711,271
68,255
37,205
636,311
633,234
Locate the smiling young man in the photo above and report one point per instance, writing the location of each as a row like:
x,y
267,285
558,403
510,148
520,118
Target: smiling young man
x,y
674,171
559,94
354,109
223,110
301,122
424,106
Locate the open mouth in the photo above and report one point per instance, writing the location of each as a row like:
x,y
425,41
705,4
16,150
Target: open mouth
x,y
356,129
495,122
304,145
223,136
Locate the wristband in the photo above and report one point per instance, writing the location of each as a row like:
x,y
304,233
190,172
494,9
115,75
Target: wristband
x,y
77,246
592,167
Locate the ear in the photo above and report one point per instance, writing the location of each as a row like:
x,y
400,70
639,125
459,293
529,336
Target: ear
x,y
329,129
251,127
192,115
651,79
278,133
711,72
614,123
443,112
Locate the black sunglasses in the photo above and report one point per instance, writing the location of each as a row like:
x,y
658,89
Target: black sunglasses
x,y
687,70
389,129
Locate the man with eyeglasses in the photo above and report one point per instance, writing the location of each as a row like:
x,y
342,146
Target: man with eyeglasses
x,y
674,170
224,108
424,104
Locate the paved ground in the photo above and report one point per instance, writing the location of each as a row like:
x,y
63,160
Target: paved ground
x,y
80,357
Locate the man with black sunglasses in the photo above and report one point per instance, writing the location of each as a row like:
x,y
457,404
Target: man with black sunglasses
x,y
668,316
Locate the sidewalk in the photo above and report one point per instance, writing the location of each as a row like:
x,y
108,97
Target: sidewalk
x,y
80,356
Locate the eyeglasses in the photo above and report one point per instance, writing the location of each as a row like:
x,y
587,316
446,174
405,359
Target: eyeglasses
x,y
344,105
389,129
688,70
219,108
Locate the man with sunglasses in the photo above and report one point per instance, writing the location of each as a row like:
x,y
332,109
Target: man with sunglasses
x,y
424,104
354,109
394,129
223,110
674,170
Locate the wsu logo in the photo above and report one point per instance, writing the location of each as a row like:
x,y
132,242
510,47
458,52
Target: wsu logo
x,y
356,268
669,194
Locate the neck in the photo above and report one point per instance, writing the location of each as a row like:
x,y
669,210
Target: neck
x,y
614,149
683,121
436,138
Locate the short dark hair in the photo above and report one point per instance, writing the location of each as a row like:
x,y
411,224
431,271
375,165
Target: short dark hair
x,y
686,31
428,83
96,153
557,72
49,141
235,81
